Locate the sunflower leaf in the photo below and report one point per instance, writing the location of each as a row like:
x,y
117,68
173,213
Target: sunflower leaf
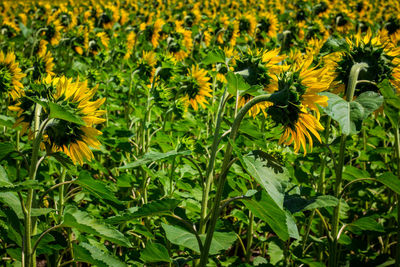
x,y
85,252
84,222
154,156
154,252
215,56
236,83
59,112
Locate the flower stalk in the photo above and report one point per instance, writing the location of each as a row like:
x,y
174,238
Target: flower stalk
x,y
224,172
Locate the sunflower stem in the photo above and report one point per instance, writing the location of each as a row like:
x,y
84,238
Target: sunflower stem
x,y
61,192
210,167
351,87
397,147
222,177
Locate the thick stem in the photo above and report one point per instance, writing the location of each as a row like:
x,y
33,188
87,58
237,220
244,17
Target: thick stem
x,y
351,87
224,172
61,192
210,167
397,146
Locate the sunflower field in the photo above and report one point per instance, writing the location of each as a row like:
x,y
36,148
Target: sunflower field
x,y
200,133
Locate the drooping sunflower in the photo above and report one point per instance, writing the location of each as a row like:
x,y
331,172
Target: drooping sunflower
x,y
260,69
43,62
147,65
296,96
381,55
151,31
52,33
74,139
180,42
195,87
10,75
267,26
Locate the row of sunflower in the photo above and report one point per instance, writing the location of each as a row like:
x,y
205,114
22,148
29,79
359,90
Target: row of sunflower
x,y
140,133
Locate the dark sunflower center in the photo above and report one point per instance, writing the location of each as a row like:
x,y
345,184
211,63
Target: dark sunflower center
x,y
341,20
148,32
50,32
5,78
145,69
320,8
191,88
286,108
380,66
253,71
244,25
62,133
65,19
264,25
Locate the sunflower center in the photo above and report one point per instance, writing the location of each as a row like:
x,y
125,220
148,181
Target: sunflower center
x,y
5,78
264,25
244,25
191,88
286,108
65,19
253,71
50,32
63,133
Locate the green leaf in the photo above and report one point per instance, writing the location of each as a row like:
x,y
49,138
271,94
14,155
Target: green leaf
x,y
154,208
84,222
350,115
154,156
7,121
87,253
333,44
265,208
59,112
215,56
12,201
268,173
154,252
19,186
4,178
182,237
392,102
366,224
296,203
391,181
96,188
5,149
236,83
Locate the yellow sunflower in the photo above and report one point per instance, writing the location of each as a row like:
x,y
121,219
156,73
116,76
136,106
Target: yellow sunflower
x,y
64,136
43,62
53,30
381,55
262,68
10,75
296,95
195,88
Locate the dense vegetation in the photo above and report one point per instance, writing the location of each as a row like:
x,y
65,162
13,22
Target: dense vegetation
x,y
184,133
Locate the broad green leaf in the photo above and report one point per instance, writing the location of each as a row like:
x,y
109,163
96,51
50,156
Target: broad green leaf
x,y
4,182
366,224
351,173
350,115
392,102
96,188
268,174
215,56
391,181
5,149
333,44
7,121
154,156
12,201
265,208
154,208
87,253
296,203
19,186
182,237
236,83
292,227
370,101
84,222
59,112
154,252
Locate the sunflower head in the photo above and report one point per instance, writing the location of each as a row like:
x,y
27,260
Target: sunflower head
x,y
195,87
382,60
10,75
71,137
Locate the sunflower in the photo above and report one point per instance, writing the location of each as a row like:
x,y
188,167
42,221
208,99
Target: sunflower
x,y
147,65
267,26
195,87
296,95
381,55
10,75
130,43
53,29
151,31
247,24
180,42
43,62
260,69
74,139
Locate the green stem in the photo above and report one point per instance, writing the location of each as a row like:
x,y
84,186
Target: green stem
x,y
61,192
351,87
224,171
210,167
397,147
249,237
